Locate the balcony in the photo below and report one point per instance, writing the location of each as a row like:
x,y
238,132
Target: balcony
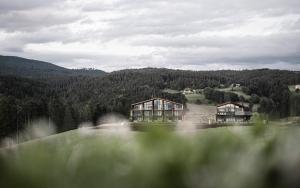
x,y
243,113
236,113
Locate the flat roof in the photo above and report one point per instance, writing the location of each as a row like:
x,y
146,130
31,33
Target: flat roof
x,y
234,103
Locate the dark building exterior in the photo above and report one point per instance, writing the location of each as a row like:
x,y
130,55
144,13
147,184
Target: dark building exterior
x,y
232,112
156,109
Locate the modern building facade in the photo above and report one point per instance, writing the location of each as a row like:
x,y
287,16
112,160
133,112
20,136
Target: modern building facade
x,y
232,112
157,109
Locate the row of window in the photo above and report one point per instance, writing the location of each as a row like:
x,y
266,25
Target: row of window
x,y
231,119
157,113
229,109
158,105
157,118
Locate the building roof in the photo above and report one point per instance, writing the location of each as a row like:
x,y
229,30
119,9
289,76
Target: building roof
x,y
156,98
234,103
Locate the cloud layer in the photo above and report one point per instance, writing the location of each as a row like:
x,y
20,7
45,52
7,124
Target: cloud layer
x,y
118,34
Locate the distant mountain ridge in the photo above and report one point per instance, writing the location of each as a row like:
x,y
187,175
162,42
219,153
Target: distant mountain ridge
x,y
17,66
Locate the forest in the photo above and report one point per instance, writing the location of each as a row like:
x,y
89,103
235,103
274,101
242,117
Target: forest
x,y
71,97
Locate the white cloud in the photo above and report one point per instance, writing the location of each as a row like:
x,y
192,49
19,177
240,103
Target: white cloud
x,y
117,34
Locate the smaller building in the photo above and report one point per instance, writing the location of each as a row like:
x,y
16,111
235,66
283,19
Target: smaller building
x,y
297,88
188,91
156,109
232,112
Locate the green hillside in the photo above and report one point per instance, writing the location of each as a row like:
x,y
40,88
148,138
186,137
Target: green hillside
x,y
257,157
53,92
236,90
16,66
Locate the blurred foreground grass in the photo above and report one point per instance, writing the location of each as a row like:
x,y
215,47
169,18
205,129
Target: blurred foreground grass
x,y
234,157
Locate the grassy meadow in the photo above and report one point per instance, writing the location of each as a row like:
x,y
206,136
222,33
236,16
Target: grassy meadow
x,y
292,88
236,90
237,156
197,98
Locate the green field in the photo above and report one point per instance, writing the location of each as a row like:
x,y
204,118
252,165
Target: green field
x,y
258,156
236,90
191,98
197,98
292,88
171,91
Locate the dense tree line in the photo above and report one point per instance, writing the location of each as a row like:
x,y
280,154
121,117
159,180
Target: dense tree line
x,y
66,101
70,100
116,91
295,104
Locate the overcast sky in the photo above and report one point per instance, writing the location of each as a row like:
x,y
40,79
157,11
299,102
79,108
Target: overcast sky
x,y
182,34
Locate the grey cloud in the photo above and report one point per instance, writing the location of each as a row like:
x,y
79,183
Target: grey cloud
x,y
82,60
188,17
216,5
13,49
8,5
244,50
32,20
177,32
17,41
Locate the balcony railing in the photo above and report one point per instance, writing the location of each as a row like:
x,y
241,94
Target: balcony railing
x,y
236,113
243,113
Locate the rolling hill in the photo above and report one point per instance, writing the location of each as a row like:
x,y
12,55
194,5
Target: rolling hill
x,y
17,66
31,89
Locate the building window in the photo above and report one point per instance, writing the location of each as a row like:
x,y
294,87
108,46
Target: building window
x,y
169,106
157,104
148,105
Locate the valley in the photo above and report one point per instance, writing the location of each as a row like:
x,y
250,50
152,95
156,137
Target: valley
x,y
31,89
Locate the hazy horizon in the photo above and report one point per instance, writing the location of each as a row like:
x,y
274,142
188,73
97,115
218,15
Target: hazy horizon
x,y
123,34
149,67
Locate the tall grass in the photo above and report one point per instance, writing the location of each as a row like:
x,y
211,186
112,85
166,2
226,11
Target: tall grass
x,y
234,157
